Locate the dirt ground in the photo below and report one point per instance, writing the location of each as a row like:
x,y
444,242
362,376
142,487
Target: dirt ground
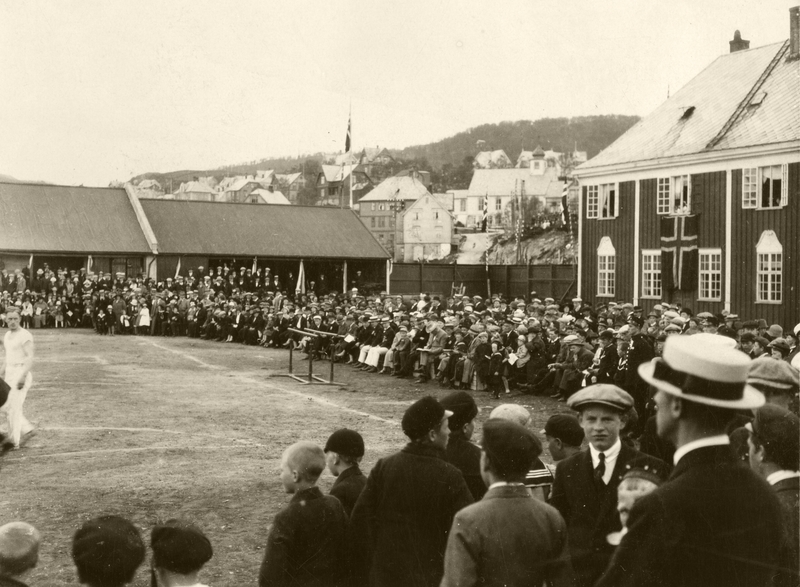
x,y
156,428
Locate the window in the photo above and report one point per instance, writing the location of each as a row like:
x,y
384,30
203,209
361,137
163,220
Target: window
x,y
436,215
382,222
372,221
602,201
674,195
592,201
769,253
710,274
651,274
498,204
536,164
463,205
380,206
373,206
332,191
606,268
416,215
765,187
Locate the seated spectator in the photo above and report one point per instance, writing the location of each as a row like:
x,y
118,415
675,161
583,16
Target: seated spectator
x,y
306,545
19,552
107,551
507,538
343,453
179,552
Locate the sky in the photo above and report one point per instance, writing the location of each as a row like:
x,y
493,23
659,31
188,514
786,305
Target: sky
x,y
93,91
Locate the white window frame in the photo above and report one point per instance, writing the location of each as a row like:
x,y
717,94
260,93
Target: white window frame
x,y
709,276
606,269
498,205
769,269
651,274
462,207
668,189
373,206
592,201
597,196
753,194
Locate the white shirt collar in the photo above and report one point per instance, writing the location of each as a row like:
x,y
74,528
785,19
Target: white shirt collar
x,y
503,484
779,476
718,440
610,459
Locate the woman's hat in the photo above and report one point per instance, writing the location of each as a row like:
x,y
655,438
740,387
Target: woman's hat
x,y
705,371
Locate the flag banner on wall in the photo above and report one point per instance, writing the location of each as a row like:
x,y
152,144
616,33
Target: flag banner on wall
x,y
679,253
565,205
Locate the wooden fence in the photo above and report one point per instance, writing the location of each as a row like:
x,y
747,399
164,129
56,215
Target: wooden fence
x,y
556,281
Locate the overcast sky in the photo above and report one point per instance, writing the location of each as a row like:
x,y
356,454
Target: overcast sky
x,y
94,91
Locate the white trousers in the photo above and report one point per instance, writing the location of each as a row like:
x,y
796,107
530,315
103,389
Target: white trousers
x,y
17,423
374,355
362,355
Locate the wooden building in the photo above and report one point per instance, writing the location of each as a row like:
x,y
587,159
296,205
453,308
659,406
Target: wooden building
x,y
699,203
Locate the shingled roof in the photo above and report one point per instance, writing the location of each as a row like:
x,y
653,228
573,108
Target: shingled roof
x,y
742,99
264,230
50,218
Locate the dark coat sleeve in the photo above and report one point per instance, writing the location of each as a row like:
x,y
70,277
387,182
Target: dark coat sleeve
x,y
274,567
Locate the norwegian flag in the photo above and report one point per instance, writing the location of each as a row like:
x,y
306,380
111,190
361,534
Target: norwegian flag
x,y
347,140
679,252
565,205
485,219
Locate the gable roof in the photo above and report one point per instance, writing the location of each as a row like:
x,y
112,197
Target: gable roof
x,y
503,182
716,111
65,219
487,158
435,201
210,228
241,183
402,187
270,197
196,187
288,178
334,173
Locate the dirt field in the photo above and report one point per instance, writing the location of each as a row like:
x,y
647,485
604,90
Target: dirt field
x,y
155,428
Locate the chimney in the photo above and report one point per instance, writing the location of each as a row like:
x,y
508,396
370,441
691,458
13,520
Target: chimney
x,y
794,32
738,44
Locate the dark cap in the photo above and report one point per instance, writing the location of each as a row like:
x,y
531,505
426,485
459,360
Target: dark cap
x,y
778,431
179,547
747,337
423,416
510,447
776,374
762,341
637,320
566,428
346,442
463,407
604,394
107,551
648,468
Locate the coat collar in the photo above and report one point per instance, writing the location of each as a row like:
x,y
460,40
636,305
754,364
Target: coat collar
x,y
719,455
507,491
349,472
424,450
307,494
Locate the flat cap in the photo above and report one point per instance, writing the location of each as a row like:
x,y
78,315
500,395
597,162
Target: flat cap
x,y
512,413
463,406
346,442
648,468
775,331
107,550
423,416
511,448
180,547
566,428
773,373
604,394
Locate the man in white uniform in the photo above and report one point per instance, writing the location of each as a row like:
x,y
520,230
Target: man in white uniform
x,y
18,344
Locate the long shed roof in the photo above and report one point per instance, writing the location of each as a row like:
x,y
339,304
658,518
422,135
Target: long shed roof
x,y
36,217
264,230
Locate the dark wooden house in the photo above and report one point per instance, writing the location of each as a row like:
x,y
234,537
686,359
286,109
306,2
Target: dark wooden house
x,y
699,203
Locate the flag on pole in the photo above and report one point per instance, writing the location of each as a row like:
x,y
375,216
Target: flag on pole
x,y
565,205
348,139
485,219
301,279
89,265
178,268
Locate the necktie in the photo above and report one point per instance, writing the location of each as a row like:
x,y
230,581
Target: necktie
x,y
600,470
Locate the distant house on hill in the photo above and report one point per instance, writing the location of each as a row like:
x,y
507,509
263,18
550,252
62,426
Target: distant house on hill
x,y
149,188
551,158
268,196
239,190
699,202
427,229
492,160
333,184
291,184
195,191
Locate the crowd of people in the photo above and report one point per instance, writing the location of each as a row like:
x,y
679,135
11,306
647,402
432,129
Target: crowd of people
x,y
679,466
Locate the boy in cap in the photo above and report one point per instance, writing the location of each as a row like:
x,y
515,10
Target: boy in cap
x,y
640,478
585,487
401,521
179,552
306,545
107,551
343,452
564,436
774,454
19,552
462,453
508,538
714,522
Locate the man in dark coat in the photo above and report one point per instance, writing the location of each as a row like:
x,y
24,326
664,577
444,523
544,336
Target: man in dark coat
x,y
401,521
343,452
585,487
774,454
609,359
640,351
461,452
714,522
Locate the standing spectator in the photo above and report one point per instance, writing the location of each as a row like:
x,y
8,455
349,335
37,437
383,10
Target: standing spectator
x,y
179,552
343,453
585,487
774,453
777,380
640,351
714,522
19,552
107,551
564,436
462,453
401,521
508,538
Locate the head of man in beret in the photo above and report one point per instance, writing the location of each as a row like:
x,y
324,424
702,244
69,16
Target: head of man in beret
x,y
564,436
602,412
19,549
107,551
774,442
464,410
343,450
508,451
425,422
180,550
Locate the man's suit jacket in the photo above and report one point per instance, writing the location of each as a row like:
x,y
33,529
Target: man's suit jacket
x,y
607,368
507,539
788,492
589,511
714,523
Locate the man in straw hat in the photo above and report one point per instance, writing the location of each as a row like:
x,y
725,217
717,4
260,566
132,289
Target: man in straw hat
x,y
714,522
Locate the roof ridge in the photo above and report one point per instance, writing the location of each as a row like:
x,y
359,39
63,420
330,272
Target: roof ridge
x,y
737,114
